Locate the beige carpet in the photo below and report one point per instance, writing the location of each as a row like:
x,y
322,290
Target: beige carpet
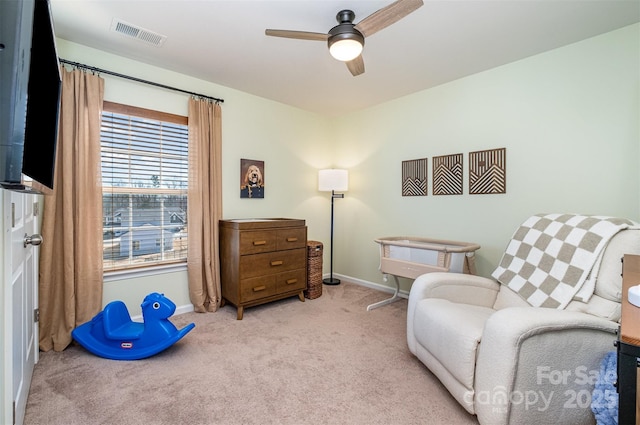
x,y
324,361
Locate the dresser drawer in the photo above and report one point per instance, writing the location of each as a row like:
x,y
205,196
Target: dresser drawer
x,y
253,242
292,238
258,287
272,262
291,281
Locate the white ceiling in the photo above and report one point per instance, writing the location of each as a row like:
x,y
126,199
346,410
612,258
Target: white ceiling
x,y
223,42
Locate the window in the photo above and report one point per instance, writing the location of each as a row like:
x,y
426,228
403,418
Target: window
x,y
144,187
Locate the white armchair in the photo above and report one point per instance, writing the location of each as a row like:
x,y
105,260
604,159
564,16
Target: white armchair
x,y
508,362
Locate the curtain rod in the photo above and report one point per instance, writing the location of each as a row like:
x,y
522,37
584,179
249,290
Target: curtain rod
x,y
139,80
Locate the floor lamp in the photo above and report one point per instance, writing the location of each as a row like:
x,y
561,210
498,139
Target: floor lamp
x,y
329,181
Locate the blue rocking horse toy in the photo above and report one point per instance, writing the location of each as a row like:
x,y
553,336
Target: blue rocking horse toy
x,y
113,335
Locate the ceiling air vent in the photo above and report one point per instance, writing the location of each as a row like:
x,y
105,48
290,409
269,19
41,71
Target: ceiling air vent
x,y
138,33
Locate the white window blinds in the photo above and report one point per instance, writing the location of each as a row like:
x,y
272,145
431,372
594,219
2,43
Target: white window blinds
x,y
144,179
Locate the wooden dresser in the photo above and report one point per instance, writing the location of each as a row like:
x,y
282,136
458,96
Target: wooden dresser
x,y
629,346
262,260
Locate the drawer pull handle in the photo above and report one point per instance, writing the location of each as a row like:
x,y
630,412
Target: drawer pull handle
x,y
277,263
291,281
292,239
259,288
258,243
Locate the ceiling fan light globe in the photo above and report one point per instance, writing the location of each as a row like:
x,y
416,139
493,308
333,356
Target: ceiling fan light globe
x,y
345,50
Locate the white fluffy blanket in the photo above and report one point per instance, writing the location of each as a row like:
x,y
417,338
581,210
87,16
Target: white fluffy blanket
x,y
555,258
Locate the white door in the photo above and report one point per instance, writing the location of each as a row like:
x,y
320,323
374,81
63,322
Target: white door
x,y
20,299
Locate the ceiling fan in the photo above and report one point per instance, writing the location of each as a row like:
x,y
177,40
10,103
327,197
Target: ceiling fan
x,y
346,39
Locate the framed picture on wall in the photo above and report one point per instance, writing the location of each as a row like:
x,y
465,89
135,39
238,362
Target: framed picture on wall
x,y
414,177
447,174
488,171
251,178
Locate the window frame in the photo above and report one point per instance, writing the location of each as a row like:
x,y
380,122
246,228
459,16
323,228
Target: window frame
x,y
137,270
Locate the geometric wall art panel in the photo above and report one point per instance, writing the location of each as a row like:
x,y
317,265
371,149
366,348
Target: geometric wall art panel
x,y
488,171
447,174
414,177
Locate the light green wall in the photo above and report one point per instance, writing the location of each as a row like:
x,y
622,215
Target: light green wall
x,y
568,119
291,142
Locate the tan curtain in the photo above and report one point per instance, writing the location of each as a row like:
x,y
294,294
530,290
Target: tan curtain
x,y
204,205
70,279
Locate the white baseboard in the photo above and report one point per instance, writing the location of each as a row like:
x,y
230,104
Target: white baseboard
x,y
188,308
372,285
179,310
184,309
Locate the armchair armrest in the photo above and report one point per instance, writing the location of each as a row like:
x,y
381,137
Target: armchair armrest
x,y
548,357
455,287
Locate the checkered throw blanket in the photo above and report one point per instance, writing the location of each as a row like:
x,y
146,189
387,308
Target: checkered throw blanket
x,y
555,258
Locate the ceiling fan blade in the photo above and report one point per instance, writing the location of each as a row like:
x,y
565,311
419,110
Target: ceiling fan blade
x,y
386,16
356,66
300,35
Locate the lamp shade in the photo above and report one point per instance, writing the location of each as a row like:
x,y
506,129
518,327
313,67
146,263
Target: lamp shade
x,y
333,179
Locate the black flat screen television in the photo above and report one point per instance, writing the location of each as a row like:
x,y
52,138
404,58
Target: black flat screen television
x,y
30,93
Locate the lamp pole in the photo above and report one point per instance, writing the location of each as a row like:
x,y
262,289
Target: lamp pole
x,y
331,280
330,180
